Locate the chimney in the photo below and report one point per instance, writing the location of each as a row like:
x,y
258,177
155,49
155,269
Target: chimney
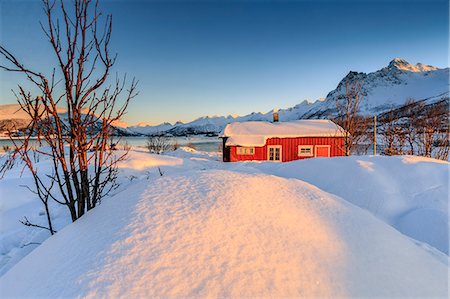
x,y
275,115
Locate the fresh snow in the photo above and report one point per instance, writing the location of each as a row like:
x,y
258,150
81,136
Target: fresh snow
x,y
256,133
207,228
139,160
408,192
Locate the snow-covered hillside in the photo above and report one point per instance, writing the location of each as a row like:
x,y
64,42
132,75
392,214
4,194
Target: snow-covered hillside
x,y
389,88
12,118
207,228
151,130
13,111
381,90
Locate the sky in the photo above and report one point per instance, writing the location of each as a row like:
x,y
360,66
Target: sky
x,y
198,58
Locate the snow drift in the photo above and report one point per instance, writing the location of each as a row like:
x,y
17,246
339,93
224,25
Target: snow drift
x,y
219,233
408,192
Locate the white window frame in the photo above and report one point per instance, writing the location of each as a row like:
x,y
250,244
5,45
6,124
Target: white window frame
x,y
327,146
274,146
242,150
299,153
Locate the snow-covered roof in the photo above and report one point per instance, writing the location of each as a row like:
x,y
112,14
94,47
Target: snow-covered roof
x,y
255,133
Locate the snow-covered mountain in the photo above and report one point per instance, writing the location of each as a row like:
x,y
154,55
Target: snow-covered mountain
x,y
13,118
382,90
215,124
388,88
151,130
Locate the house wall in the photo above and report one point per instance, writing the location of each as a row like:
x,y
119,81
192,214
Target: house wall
x,y
290,148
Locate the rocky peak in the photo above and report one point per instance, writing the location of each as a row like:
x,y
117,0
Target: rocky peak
x,y
399,63
403,65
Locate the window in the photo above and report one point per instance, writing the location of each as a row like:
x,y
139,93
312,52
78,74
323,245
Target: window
x,y
245,150
274,153
305,150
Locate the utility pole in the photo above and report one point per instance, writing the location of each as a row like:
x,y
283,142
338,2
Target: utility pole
x,y
375,135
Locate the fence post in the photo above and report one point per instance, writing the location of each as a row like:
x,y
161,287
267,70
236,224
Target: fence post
x,y
375,135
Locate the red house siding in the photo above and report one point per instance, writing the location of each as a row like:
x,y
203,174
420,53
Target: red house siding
x,y
289,150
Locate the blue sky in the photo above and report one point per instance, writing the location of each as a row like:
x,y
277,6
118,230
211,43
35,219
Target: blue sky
x,y
235,57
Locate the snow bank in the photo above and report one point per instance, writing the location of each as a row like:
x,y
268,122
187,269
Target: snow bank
x,y
410,193
17,240
140,160
220,234
419,159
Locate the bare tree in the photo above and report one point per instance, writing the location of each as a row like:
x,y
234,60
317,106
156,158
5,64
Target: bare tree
x,y
79,141
412,108
434,129
159,144
366,140
393,134
417,128
354,126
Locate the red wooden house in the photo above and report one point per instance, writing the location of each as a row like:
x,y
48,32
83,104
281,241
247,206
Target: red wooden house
x,y
282,141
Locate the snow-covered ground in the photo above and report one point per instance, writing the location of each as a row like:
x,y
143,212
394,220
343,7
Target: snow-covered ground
x,y
408,192
378,226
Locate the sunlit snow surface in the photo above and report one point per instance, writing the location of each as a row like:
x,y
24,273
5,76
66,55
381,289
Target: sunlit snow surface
x,y
408,192
207,228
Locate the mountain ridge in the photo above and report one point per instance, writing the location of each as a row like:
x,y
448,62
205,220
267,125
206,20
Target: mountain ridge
x,y
382,90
